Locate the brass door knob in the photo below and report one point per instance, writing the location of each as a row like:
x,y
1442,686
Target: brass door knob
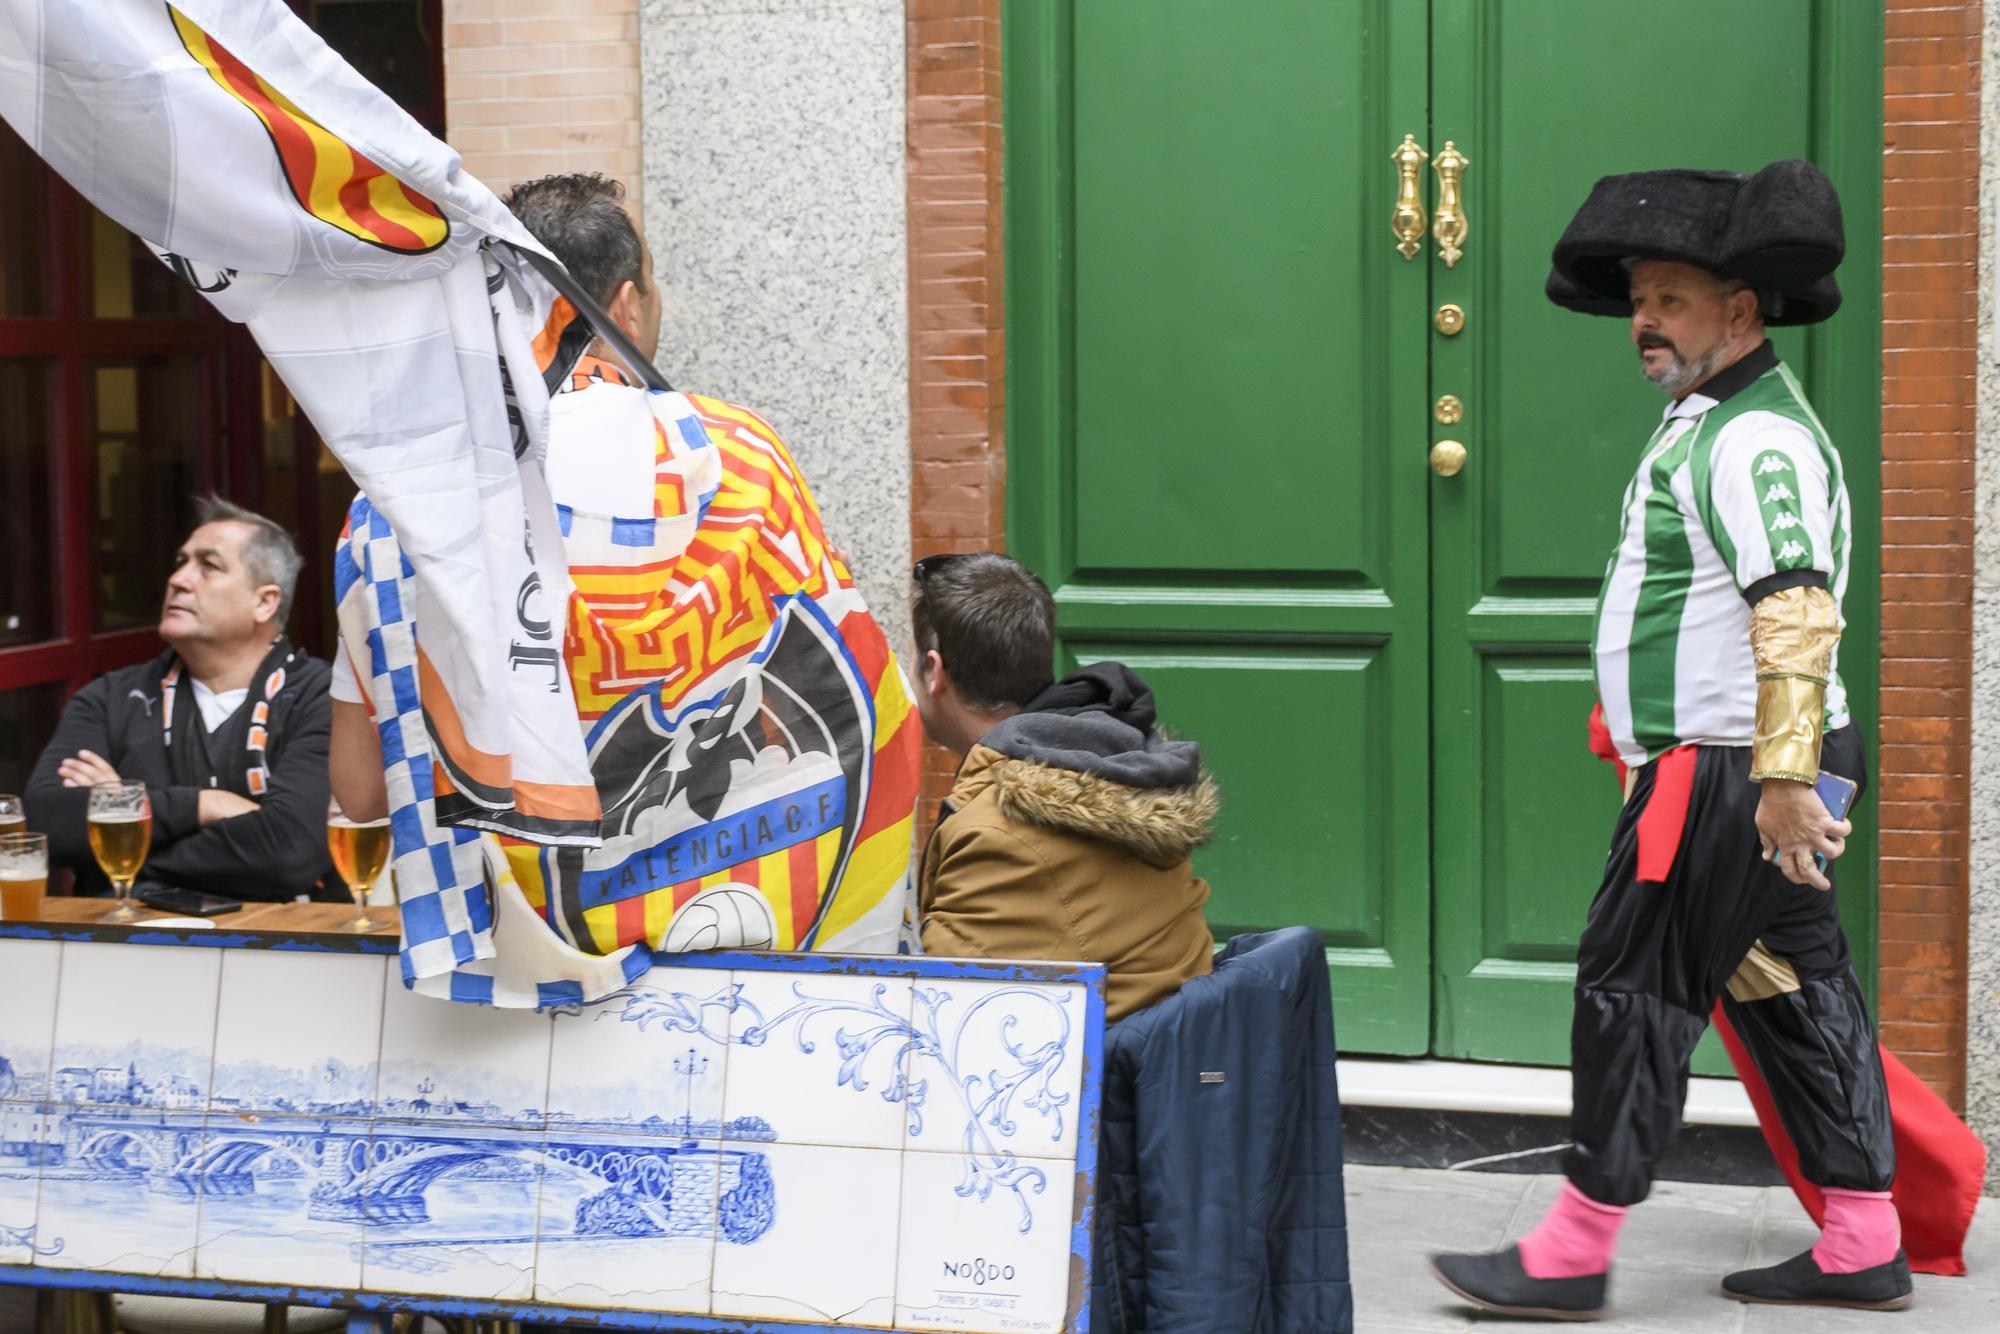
x,y
1447,457
1450,319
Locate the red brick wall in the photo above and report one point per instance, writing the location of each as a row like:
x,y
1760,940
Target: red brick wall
x,y
957,395
1930,315
531,88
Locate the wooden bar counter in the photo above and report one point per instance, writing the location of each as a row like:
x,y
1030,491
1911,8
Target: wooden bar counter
x,y
74,918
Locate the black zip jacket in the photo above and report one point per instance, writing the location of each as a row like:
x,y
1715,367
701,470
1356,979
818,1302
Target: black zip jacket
x,y
275,854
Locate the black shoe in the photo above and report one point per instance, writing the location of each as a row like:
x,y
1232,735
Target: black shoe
x,y
1496,1282
1800,1282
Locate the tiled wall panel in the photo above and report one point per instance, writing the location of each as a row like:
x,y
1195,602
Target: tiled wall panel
x,y
831,1148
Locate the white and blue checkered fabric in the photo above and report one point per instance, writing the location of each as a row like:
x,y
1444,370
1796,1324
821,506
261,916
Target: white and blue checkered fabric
x,y
459,899
440,872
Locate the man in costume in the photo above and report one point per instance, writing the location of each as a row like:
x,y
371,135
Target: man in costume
x,y
751,742
1716,646
227,728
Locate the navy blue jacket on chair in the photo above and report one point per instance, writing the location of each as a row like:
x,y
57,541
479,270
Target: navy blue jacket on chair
x,y
1220,1202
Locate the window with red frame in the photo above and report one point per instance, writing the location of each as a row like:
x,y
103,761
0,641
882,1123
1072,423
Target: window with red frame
x,y
123,396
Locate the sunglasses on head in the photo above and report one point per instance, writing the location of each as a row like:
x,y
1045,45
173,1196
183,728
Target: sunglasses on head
x,y
922,571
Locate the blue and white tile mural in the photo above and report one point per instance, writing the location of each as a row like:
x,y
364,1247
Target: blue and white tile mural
x,y
822,1147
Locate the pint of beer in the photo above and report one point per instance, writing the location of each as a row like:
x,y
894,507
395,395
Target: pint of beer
x,y
121,830
360,851
24,875
13,815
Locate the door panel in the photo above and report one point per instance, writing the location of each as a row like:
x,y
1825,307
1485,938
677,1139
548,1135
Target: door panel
x,y
1206,391
1544,98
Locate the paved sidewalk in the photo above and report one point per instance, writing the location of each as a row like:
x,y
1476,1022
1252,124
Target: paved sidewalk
x,y
1674,1250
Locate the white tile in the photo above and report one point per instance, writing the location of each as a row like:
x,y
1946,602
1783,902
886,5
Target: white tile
x,y
477,1060
123,1199
818,1058
628,1222
259,1221
965,1261
135,1025
449,1207
298,1031
829,1252
1002,1062
652,1057
23,1145
28,970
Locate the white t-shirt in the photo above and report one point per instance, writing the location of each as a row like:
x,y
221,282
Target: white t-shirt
x,y
1730,495
344,687
218,709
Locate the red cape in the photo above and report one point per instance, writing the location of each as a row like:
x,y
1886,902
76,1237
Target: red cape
x,y
1940,1163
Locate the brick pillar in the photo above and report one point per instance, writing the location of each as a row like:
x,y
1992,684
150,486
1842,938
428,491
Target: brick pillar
x,y
1930,314
527,94
957,329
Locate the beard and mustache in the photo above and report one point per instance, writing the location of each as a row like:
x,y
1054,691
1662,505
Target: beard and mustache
x,y
1680,373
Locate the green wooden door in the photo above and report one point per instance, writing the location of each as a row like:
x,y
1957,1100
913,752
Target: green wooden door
x,y
1221,381
1544,98
1207,387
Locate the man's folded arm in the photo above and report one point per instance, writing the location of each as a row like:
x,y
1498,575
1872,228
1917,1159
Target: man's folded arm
x,y
278,851
63,812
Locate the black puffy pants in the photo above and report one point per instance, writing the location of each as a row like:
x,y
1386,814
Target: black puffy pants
x,y
1654,958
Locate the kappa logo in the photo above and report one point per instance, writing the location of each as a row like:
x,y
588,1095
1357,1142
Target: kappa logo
x,y
143,698
1791,551
1786,519
1774,463
1778,492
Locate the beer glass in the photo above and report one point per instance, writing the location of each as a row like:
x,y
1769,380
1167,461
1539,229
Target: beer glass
x,y
13,815
24,875
360,851
121,829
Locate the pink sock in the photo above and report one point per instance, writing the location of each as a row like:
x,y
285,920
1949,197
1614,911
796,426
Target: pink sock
x,y
1860,1232
1575,1238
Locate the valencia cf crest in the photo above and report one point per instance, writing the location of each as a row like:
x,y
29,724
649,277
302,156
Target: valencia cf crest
x,y
761,782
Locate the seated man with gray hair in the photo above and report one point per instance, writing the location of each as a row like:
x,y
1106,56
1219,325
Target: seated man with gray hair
x,y
227,728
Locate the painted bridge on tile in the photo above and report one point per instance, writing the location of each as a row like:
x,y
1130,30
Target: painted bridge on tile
x,y
735,1142
642,1187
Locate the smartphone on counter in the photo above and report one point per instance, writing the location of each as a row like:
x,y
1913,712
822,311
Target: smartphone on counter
x,y
186,902
1838,795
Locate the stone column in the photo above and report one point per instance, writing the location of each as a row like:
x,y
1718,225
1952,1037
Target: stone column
x,y
1982,1054
774,205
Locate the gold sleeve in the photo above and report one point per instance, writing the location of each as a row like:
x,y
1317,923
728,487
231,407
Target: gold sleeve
x,y
1793,633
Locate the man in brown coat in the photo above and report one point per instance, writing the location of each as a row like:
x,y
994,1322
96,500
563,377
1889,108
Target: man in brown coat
x,y
1068,830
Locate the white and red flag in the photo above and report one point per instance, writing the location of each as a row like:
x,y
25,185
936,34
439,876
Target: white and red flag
x,y
361,255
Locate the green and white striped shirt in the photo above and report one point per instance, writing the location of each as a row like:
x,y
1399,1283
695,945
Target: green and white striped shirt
x,y
1739,494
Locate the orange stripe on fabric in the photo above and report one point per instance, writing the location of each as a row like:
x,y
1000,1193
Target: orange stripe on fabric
x,y
329,180
805,884
630,915
550,335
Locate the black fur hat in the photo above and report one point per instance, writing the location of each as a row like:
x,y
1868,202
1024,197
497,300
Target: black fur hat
x,y
1778,230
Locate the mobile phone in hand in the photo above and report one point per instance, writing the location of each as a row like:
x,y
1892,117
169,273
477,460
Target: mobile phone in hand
x,y
1837,794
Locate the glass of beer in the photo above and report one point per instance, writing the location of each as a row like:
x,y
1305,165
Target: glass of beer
x,y
13,815
24,875
360,851
121,829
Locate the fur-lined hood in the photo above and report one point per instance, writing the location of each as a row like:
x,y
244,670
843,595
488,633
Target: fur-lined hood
x,y
1161,826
